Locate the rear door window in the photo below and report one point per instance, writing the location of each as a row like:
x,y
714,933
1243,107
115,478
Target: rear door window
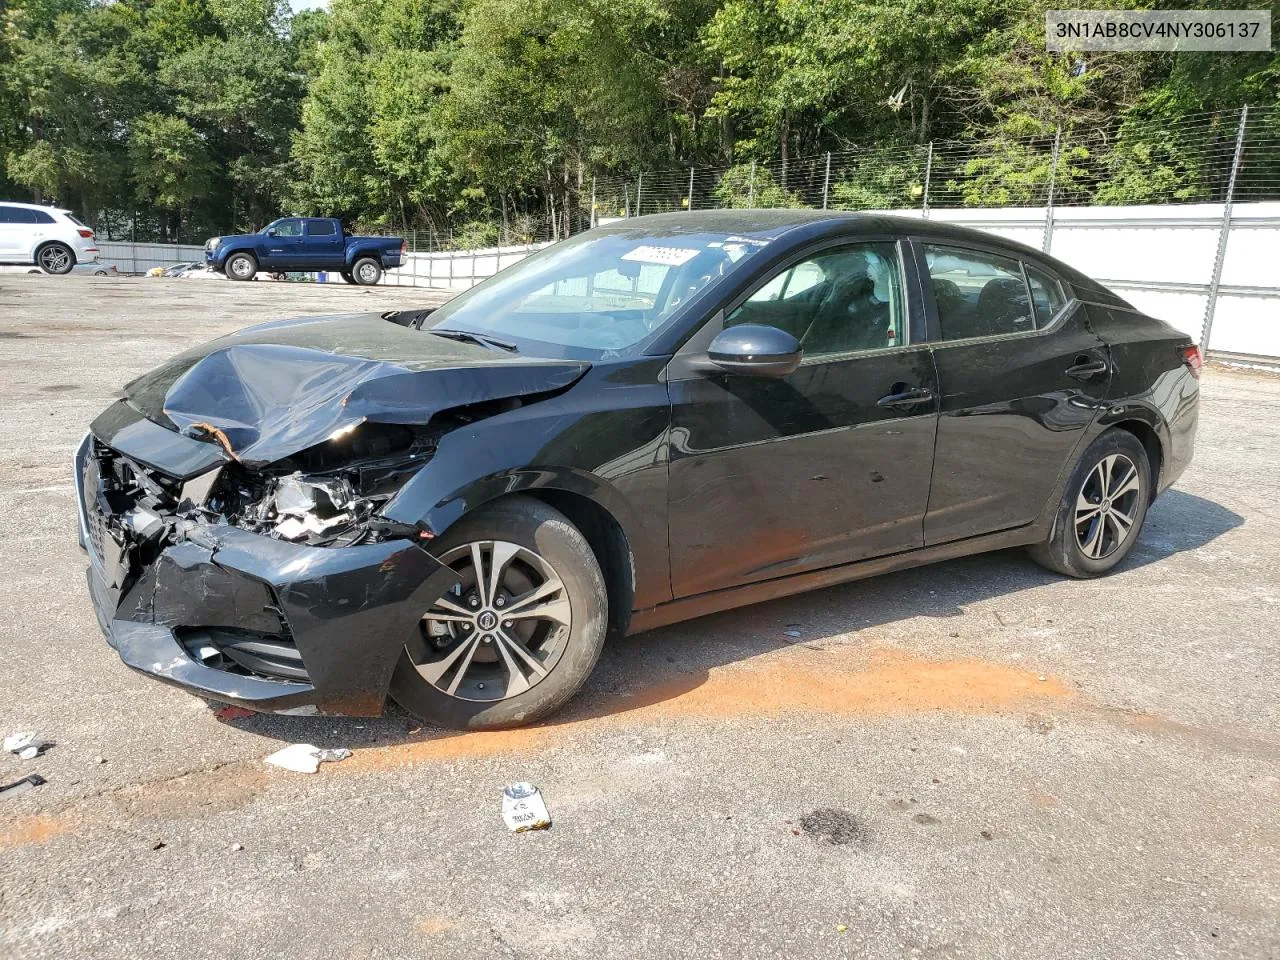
x,y
320,228
39,216
1046,295
977,294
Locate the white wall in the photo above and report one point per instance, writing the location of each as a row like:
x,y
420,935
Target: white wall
x,y
140,257
1159,258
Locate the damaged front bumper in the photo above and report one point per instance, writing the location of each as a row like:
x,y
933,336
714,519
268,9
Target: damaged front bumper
x,y
248,619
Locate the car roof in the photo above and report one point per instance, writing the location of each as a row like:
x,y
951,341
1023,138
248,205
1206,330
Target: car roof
x,y
801,226
776,222
33,206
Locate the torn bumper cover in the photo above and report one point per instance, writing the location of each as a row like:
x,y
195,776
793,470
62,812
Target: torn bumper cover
x,y
244,618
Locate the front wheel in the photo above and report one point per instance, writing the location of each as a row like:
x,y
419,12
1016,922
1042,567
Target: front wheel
x,y
521,632
56,258
241,266
367,271
1102,509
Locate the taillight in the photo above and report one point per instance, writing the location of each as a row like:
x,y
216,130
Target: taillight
x,y
403,248
87,234
1191,357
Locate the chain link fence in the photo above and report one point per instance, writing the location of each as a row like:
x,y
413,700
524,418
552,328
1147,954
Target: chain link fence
x,y
1130,162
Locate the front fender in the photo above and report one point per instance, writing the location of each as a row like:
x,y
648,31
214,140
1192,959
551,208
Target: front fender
x,y
474,466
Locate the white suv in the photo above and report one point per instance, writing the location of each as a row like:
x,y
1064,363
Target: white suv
x,y
52,239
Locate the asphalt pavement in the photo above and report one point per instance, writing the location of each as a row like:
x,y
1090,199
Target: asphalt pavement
x,y
975,759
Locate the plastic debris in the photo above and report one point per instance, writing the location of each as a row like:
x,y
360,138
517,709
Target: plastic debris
x,y
27,745
793,633
524,809
305,758
232,712
19,787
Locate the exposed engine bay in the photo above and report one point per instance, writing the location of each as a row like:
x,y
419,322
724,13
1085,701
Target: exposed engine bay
x,y
323,496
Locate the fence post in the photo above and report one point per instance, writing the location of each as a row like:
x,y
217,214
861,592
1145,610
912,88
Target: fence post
x,y
689,206
591,219
1224,235
826,181
928,175
1053,176
133,243
751,190
639,187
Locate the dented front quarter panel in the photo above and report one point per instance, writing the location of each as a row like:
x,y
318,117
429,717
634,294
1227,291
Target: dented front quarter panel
x,y
606,439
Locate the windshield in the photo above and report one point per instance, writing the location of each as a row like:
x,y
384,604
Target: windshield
x,y
598,294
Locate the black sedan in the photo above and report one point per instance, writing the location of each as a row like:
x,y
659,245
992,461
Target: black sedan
x,y
651,421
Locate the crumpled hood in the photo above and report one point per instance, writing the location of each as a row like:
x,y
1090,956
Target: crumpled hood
x,y
278,388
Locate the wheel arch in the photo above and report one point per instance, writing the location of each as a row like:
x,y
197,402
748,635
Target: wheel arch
x,y
608,541
1149,427
582,500
35,251
1151,442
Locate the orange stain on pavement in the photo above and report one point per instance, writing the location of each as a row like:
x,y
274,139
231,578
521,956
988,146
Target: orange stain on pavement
x,y
890,683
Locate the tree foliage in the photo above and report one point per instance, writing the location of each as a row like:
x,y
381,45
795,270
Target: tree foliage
x,y
180,118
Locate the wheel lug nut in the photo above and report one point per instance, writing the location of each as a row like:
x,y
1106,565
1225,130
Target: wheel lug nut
x,y
506,623
500,602
474,602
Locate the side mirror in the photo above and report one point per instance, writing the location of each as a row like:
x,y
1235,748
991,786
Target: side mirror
x,y
755,350
271,232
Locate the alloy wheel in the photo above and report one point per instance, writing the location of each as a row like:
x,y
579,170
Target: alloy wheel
x,y
501,630
1107,506
55,259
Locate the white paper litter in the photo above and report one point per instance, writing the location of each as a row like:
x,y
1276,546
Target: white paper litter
x,y
27,745
305,758
524,809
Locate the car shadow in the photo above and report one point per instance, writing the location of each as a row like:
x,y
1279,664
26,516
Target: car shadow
x,y
664,664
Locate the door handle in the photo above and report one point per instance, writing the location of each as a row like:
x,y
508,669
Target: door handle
x,y
906,398
1086,369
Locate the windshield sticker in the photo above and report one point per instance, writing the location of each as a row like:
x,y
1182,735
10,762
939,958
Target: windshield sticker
x,y
667,256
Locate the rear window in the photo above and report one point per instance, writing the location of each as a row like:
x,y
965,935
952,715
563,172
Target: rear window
x,y
320,228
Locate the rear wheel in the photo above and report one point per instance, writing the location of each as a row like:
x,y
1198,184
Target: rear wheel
x,y
522,631
56,258
367,271
1102,509
241,266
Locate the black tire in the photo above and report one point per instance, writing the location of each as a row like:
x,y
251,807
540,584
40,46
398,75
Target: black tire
x,y
56,258
1086,539
532,525
366,271
241,266
347,277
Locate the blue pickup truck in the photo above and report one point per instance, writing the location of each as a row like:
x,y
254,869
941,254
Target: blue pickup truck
x,y
305,245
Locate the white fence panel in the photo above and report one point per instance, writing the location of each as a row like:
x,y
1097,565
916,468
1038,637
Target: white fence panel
x,y
140,257
1160,258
